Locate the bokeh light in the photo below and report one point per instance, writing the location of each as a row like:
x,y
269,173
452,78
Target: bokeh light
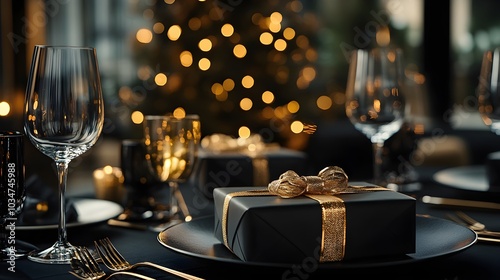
x,y
217,88
246,104
179,113
158,27
205,45
244,132
293,106
324,102
144,35
160,79
297,127
137,117
4,108
267,97
247,81
227,30
239,51
186,58
280,45
194,24
228,84
204,64
266,38
174,32
289,33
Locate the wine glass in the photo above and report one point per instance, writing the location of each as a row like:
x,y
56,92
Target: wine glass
x,y
171,152
64,115
488,90
13,193
374,98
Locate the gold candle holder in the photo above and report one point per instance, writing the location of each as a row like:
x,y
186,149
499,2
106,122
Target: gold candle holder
x,y
108,184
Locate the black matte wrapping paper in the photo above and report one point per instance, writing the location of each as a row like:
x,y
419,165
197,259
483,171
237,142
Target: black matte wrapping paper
x,y
278,230
237,169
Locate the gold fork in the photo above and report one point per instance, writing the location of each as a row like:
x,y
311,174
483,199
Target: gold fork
x,y
116,262
85,267
482,235
477,226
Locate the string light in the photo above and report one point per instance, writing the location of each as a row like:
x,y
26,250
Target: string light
x,y
244,132
282,60
144,36
247,82
4,108
160,79
174,32
324,102
137,117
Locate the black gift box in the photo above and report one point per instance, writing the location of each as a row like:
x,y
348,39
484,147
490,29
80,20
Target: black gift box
x,y
281,230
237,169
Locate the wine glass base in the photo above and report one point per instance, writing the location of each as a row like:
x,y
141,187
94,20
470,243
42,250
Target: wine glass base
x,y
56,254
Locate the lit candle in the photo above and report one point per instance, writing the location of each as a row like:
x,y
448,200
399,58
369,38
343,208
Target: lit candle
x,y
108,184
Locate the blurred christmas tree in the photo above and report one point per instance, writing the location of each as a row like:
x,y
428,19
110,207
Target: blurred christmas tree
x,y
243,66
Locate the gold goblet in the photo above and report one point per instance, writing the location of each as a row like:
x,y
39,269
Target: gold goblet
x,y
171,152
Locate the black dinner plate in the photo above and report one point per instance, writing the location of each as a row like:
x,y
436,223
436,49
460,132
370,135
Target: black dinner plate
x,y
435,237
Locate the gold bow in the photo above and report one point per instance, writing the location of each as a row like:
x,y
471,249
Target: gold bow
x,y
331,180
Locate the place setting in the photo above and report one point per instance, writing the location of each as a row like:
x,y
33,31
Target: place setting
x,y
481,179
266,226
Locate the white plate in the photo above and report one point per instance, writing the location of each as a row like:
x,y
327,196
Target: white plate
x,y
89,211
471,178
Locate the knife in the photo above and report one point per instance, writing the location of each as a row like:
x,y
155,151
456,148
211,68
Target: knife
x,y
442,201
125,224
139,226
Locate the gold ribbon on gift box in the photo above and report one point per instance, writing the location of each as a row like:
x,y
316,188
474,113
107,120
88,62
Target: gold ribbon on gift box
x,y
329,182
252,146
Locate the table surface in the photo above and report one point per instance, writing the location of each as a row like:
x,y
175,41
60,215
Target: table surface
x,y
480,261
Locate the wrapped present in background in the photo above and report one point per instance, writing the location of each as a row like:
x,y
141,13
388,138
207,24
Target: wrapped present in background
x,y
224,161
365,221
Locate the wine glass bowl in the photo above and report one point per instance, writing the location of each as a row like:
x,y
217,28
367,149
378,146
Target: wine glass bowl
x,y
488,90
64,115
375,102
172,151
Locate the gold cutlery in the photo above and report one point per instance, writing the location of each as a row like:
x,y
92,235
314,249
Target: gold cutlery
x,y
116,262
488,239
85,267
483,234
477,226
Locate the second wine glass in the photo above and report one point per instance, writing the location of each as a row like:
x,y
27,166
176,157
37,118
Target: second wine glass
x,y
488,90
12,193
171,152
64,116
375,102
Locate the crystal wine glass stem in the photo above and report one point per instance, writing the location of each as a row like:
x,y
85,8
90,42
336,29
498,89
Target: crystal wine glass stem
x,y
377,162
173,188
3,242
62,174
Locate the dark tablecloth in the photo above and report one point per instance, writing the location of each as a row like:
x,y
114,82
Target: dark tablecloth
x,y
480,261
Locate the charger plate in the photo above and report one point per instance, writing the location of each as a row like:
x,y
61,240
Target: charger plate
x,y
435,237
472,178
